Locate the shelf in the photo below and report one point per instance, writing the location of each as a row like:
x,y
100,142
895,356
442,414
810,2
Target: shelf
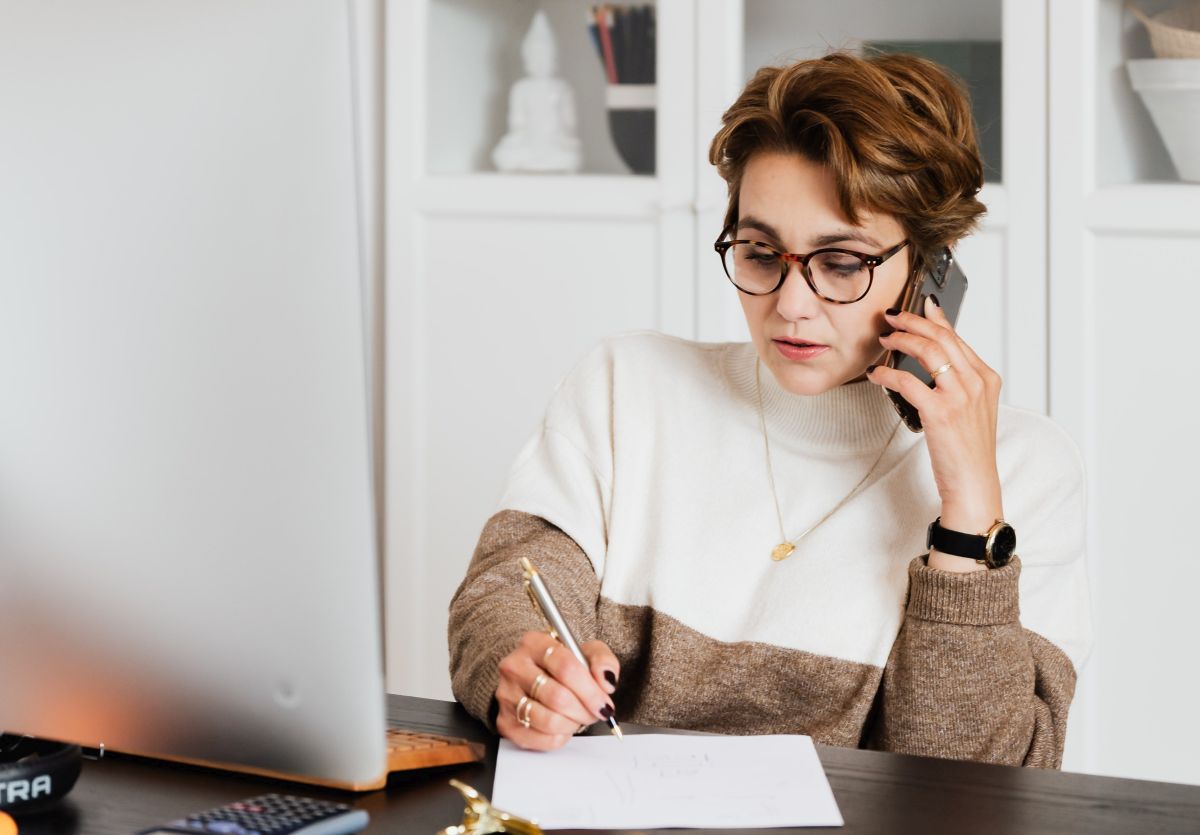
x,y
541,195
1151,208
1129,149
473,58
782,31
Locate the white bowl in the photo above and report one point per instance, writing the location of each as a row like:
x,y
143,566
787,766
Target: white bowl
x,y
1170,87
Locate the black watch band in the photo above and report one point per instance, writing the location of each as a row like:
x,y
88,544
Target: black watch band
x,y
1001,537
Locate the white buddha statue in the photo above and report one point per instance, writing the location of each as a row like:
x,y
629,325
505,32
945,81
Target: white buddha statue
x,y
541,111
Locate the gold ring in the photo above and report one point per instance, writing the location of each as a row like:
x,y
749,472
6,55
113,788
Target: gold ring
x,y
933,374
546,654
537,683
525,702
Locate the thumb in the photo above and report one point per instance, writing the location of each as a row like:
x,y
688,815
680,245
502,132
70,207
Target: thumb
x,y
604,666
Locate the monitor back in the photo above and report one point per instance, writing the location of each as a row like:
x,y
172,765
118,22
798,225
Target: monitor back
x,y
188,557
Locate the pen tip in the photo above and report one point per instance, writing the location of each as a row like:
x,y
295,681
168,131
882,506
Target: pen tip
x,y
616,729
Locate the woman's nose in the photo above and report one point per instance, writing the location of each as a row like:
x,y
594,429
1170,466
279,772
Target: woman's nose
x,y
796,299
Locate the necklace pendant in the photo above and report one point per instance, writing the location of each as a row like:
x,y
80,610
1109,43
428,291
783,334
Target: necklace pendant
x,y
782,551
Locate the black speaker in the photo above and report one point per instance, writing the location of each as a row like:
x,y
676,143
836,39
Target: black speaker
x,y
35,773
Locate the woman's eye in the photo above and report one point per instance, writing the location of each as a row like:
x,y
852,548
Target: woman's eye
x,y
841,266
760,257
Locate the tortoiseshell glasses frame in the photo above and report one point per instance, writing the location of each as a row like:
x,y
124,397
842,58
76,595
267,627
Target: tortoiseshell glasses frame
x,y
786,259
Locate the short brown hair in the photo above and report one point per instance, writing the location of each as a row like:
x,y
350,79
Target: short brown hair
x,y
895,130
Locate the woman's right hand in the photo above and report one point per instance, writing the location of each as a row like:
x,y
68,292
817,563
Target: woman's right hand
x,y
571,695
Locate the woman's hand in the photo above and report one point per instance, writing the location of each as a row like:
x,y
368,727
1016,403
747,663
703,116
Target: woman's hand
x,y
959,416
569,697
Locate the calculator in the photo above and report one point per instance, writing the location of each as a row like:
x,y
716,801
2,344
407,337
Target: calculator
x,y
270,814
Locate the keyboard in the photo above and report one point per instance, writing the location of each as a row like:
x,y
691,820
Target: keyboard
x,y
408,750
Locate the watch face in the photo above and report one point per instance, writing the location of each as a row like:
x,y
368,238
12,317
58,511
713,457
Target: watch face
x,y
1003,545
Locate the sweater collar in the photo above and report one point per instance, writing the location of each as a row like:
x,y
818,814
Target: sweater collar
x,y
854,417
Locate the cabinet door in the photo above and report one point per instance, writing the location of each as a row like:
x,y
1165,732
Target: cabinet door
x,y
498,283
1125,267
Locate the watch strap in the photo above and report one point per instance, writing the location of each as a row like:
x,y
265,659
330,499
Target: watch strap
x,y
972,546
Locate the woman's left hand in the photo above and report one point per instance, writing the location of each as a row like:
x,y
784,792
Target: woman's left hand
x,y
958,413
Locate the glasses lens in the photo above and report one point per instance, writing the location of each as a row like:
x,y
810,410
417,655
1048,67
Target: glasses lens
x,y
752,267
839,275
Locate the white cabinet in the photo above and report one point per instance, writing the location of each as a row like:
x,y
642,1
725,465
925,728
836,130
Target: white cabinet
x,y
496,284
1125,267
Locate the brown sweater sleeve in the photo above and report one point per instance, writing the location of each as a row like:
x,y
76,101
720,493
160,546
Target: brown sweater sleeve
x,y
965,681
490,611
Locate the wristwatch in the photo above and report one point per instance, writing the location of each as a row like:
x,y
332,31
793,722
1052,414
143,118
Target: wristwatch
x,y
995,548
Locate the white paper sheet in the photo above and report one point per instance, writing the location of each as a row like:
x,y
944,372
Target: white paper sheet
x,y
666,780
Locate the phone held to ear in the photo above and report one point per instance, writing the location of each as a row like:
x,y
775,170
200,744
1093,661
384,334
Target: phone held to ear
x,y
944,279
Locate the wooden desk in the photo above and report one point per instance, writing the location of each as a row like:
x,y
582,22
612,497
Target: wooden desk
x,y
877,793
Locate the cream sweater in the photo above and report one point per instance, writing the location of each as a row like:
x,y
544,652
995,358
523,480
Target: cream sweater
x,y
644,499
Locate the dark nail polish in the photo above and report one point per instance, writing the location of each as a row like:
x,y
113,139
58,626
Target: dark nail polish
x,y
888,332
608,674
935,299
607,712
871,368
893,311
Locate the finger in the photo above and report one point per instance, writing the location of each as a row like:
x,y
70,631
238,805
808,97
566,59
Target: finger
x,y
984,373
931,355
527,738
910,388
604,665
906,322
555,696
934,311
541,718
570,672
520,669
935,314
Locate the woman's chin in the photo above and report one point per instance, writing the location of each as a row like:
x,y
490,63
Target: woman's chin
x,y
806,378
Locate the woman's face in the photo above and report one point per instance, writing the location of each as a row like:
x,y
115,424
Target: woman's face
x,y
790,203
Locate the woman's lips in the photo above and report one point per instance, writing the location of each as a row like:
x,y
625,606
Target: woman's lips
x,y
799,352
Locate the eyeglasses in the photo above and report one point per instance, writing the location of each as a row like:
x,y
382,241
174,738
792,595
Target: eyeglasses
x,y
841,276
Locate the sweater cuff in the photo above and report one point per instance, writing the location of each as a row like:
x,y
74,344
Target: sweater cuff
x,y
976,598
478,696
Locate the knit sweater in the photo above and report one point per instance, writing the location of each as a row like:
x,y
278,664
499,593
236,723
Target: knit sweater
x,y
644,500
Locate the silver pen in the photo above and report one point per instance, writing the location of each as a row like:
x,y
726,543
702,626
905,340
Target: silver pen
x,y
544,603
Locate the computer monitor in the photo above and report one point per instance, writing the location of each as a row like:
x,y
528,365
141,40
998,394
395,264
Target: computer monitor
x,y
188,550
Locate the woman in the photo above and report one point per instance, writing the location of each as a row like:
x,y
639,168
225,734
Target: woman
x,y
738,531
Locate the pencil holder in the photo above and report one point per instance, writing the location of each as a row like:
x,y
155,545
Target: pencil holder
x,y
631,119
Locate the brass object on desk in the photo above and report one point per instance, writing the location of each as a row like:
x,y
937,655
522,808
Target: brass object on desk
x,y
481,817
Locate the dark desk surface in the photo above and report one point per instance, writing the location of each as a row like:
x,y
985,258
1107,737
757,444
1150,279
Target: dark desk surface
x,y
876,792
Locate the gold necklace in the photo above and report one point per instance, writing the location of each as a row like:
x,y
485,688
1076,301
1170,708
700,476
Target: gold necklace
x,y
785,548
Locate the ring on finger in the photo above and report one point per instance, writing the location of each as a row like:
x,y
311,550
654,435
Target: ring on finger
x,y
940,370
525,704
537,684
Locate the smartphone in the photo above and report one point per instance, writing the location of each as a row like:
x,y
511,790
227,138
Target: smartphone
x,y
945,279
